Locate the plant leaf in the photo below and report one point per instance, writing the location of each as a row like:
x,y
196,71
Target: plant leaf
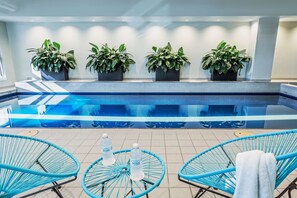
x,y
56,45
122,47
95,46
180,51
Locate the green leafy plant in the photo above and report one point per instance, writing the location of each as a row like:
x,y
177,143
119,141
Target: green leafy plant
x,y
225,58
48,57
166,59
106,59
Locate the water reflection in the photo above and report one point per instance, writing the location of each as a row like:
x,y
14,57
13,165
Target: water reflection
x,y
165,111
111,110
223,110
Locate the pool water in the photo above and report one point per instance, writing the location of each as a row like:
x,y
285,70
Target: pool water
x,y
149,111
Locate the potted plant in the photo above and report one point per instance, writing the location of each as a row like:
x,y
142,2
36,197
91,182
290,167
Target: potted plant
x,y
224,62
166,63
54,65
110,63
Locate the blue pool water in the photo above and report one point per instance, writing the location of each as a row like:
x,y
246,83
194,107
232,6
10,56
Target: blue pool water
x,y
149,111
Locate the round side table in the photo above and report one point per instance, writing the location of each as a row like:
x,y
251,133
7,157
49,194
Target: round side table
x,y
114,181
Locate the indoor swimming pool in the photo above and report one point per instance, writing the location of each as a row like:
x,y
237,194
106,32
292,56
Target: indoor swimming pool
x,y
148,111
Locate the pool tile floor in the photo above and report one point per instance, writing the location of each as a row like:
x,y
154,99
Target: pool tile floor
x,y
174,146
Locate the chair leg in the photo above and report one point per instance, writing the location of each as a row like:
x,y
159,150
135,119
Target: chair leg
x,y
57,191
289,193
201,192
293,187
198,193
56,188
145,187
290,187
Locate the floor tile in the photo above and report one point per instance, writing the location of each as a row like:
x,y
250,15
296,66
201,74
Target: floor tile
x,y
91,158
185,143
171,142
157,149
83,149
173,182
180,192
158,143
174,158
183,137
172,150
80,157
209,137
170,137
199,143
159,193
97,150
174,168
188,150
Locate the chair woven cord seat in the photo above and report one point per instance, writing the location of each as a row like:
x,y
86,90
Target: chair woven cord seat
x,y
27,162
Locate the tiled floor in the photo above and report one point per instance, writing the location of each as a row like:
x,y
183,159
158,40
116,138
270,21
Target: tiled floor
x,y
174,146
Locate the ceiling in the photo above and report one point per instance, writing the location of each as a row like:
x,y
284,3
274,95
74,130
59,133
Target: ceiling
x,y
121,10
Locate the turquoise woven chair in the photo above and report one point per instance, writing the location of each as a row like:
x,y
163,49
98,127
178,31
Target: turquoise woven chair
x,y
215,167
26,163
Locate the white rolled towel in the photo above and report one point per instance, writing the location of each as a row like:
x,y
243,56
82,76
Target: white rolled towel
x,y
267,175
255,175
247,168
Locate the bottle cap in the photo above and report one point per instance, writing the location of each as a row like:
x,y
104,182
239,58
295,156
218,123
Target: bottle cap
x,y
136,146
105,135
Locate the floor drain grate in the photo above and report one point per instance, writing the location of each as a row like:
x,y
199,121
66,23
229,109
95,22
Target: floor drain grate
x,y
30,133
242,133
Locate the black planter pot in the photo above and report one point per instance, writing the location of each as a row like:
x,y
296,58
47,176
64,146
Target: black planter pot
x,y
117,75
62,75
230,76
170,75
